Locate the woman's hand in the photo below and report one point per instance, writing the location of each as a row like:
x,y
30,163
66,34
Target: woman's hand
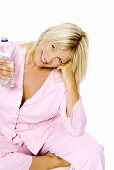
x,y
6,69
67,73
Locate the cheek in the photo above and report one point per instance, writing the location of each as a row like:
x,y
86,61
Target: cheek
x,y
56,61
54,64
42,47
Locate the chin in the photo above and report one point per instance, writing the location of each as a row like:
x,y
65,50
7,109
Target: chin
x,y
49,66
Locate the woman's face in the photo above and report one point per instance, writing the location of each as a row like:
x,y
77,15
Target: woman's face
x,y
49,55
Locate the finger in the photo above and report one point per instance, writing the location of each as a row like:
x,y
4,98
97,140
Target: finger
x,y
5,73
10,64
64,65
4,78
70,62
6,68
60,67
59,70
2,61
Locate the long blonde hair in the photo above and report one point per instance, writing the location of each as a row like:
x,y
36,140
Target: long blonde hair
x,y
67,36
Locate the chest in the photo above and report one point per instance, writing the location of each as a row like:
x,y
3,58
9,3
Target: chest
x,y
33,80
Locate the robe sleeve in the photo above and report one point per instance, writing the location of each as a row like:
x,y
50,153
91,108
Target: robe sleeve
x,y
75,124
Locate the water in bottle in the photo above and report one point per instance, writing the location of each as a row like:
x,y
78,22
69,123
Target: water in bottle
x,y
6,53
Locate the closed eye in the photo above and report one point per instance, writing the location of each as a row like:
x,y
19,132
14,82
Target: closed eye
x,y
53,47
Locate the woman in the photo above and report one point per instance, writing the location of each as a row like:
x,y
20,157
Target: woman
x,y
47,114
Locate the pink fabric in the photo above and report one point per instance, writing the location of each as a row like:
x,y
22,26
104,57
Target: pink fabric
x,y
13,156
41,123
83,152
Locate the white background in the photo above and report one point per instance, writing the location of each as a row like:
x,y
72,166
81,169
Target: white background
x,y
24,20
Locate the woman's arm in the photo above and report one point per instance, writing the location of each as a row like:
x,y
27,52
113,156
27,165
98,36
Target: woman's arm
x,y
75,124
71,107
72,96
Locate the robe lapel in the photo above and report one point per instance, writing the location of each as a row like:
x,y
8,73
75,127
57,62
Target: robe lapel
x,y
48,87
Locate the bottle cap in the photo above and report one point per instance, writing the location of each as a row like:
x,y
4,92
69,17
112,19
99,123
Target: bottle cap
x,y
4,39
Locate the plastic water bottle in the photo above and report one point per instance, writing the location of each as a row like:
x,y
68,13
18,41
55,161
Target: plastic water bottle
x,y
6,53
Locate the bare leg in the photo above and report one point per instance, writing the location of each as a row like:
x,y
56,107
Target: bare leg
x,y
47,162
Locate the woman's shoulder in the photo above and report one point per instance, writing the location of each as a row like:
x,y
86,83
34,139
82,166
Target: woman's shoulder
x,y
26,44
19,50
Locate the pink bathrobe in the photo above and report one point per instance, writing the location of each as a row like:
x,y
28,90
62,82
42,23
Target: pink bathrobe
x,y
41,124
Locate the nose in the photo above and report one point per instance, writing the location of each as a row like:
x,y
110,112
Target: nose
x,y
54,60
50,57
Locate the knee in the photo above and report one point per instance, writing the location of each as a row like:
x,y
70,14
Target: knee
x,y
94,157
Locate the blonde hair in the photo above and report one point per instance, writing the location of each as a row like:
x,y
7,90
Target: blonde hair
x,y
67,36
